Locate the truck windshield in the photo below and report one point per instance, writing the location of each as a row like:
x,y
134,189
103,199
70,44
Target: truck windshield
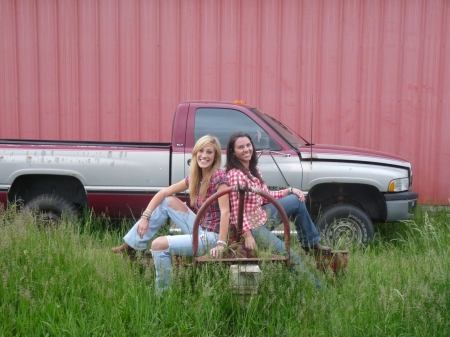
x,y
288,134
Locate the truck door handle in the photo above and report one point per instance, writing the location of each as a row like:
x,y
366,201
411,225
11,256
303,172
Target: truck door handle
x,y
189,162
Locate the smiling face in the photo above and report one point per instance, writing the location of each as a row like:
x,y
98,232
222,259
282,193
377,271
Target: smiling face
x,y
243,150
205,157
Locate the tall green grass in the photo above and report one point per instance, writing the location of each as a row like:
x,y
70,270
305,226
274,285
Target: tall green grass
x,y
64,281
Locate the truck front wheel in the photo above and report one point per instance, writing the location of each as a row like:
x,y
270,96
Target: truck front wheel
x,y
345,225
52,208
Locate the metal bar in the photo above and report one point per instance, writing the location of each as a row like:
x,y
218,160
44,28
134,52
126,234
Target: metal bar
x,y
279,233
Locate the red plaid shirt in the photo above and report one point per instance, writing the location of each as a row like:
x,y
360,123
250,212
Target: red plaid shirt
x,y
254,215
211,217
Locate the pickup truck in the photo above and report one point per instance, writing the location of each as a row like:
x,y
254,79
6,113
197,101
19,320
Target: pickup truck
x,y
347,189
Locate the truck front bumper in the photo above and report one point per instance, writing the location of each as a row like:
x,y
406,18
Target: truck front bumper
x,y
401,206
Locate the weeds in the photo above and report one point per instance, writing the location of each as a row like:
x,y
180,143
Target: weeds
x,y
63,281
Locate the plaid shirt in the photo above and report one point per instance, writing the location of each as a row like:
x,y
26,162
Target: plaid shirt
x,y
211,217
254,215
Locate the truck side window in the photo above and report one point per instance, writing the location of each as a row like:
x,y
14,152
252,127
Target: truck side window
x,y
223,122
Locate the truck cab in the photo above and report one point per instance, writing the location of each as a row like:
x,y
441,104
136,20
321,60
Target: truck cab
x,y
347,189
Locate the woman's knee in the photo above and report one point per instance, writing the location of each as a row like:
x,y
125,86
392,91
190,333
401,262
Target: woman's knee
x,y
176,204
295,201
160,243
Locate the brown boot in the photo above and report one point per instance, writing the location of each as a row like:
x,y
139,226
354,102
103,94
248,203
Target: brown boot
x,y
317,248
125,248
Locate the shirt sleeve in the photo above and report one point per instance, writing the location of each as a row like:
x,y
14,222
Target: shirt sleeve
x,y
220,178
275,194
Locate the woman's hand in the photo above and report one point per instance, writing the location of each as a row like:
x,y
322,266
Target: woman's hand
x,y
217,251
299,194
142,228
249,241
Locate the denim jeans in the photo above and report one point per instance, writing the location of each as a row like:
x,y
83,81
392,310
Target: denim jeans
x,y
306,231
296,211
159,216
267,240
178,244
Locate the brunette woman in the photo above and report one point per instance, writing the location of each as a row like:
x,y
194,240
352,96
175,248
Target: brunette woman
x,y
242,169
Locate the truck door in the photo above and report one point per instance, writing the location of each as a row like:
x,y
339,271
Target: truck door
x,y
279,165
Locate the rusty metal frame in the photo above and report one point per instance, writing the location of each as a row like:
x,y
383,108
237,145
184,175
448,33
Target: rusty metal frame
x,y
242,190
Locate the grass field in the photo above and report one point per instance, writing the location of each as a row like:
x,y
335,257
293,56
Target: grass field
x,y
64,281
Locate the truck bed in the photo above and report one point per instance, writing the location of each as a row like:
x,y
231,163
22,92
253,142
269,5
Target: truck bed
x,y
81,143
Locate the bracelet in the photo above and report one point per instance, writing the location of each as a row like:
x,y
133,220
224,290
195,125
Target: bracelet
x,y
291,190
144,217
147,213
221,243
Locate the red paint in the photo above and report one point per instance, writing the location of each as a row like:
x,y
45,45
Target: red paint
x,y
373,73
346,150
120,205
75,147
3,199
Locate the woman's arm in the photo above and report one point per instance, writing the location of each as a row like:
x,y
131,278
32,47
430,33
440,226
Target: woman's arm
x,y
155,202
296,191
168,191
276,194
224,205
288,191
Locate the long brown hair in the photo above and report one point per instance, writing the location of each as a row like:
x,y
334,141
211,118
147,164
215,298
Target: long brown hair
x,y
234,163
195,172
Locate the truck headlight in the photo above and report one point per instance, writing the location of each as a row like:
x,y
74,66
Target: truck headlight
x,y
399,185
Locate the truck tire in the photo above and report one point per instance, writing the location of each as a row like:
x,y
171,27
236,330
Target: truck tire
x,y
345,224
52,208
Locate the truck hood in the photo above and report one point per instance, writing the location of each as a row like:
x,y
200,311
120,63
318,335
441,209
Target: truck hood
x,y
354,154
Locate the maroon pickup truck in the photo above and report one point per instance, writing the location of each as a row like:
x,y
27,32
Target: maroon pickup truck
x,y
347,189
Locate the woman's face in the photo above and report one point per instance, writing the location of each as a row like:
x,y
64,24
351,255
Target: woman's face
x,y
243,150
206,156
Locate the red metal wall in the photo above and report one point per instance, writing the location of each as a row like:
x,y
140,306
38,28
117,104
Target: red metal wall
x,y
376,74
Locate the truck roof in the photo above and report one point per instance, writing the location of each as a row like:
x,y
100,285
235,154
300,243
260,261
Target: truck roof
x,y
216,103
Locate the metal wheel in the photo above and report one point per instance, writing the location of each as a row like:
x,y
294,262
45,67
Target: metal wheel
x,y
242,190
345,225
51,208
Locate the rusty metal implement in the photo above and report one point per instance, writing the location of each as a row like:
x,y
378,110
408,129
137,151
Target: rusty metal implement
x,y
242,190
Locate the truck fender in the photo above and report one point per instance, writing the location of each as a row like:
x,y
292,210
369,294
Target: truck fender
x,y
46,172
28,188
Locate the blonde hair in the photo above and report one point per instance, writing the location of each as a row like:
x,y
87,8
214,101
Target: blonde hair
x,y
195,172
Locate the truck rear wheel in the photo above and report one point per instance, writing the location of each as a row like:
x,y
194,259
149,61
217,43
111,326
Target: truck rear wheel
x,y
52,208
346,225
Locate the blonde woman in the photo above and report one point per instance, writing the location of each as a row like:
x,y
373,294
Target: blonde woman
x,y
205,178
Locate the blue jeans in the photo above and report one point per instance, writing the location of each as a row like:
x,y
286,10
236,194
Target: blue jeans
x,y
159,216
306,231
178,244
296,211
265,238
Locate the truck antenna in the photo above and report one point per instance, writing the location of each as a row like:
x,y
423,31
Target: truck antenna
x,y
312,116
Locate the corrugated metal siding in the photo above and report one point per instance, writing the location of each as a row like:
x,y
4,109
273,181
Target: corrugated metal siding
x,y
375,74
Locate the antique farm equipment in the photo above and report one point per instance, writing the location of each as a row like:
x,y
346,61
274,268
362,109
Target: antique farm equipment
x,y
239,254
244,269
